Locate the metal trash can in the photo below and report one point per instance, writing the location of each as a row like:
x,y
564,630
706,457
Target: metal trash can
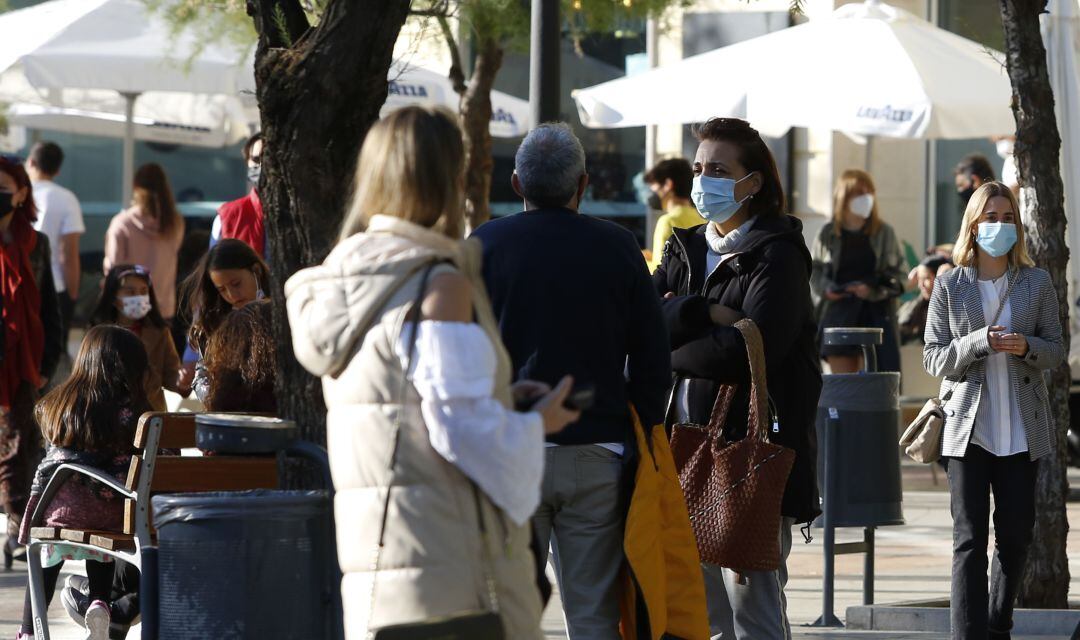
x,y
864,409
858,461
244,564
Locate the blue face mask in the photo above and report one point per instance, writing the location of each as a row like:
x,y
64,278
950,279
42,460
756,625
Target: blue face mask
x,y
715,197
996,238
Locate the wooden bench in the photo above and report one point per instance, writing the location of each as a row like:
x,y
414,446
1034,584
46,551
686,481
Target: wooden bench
x,y
153,471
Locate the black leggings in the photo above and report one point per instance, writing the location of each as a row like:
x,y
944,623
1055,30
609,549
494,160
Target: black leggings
x,y
100,575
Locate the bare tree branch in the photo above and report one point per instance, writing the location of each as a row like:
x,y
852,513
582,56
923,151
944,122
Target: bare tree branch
x,y
457,72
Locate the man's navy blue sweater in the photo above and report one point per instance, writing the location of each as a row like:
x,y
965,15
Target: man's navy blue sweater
x,y
573,296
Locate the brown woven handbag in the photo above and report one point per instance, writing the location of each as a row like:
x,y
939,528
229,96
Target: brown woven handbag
x,y
734,489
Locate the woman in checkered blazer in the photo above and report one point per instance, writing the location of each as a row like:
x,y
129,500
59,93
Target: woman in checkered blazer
x,y
997,420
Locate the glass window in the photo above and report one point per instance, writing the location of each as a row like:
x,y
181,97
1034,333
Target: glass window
x,y
201,178
979,21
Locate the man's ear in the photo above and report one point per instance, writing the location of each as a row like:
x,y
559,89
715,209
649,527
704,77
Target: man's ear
x,y
515,182
583,184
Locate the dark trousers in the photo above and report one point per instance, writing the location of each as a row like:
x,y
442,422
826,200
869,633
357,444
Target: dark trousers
x,y
20,453
976,614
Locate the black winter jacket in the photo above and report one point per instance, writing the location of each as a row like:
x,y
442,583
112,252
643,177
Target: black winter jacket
x,y
768,280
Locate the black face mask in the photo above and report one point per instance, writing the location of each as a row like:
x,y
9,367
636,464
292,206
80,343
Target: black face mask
x,y
654,202
965,194
6,206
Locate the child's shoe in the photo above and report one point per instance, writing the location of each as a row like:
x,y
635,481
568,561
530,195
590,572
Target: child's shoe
x,y
97,621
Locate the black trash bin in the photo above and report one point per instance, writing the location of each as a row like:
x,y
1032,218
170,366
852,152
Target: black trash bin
x,y
244,564
864,409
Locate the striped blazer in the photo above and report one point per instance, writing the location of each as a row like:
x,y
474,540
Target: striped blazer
x,y
956,336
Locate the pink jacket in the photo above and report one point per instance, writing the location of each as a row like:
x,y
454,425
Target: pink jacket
x,y
133,238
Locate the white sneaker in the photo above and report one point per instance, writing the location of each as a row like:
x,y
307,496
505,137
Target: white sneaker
x,y
97,621
78,583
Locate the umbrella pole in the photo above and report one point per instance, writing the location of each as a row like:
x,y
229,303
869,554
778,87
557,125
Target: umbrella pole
x,y
868,162
129,148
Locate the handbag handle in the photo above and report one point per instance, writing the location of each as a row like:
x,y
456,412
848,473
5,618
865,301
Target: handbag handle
x,y
759,398
1014,275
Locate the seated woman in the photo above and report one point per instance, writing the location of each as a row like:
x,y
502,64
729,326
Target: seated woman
x,y
239,362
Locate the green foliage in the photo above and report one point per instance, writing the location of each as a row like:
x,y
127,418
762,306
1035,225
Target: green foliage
x,y
610,16
281,25
212,21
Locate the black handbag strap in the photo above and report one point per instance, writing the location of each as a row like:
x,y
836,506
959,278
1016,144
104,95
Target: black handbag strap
x,y
1012,277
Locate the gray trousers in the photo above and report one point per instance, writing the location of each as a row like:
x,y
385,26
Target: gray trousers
x,y
582,516
756,610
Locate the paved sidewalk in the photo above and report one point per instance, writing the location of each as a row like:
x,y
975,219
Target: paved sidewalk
x,y
913,563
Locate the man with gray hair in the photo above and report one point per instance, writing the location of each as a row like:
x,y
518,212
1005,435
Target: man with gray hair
x,y
573,296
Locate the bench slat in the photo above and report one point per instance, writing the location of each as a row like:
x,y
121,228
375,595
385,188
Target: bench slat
x,y
113,541
75,535
45,533
177,430
182,474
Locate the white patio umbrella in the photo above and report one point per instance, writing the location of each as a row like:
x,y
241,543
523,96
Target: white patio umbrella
x,y
121,46
164,117
415,85
868,69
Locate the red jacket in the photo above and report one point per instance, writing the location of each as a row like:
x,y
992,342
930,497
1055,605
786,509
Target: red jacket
x,y
243,219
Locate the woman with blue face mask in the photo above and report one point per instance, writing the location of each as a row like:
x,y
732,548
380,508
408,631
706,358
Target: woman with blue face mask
x,y
748,259
858,273
991,330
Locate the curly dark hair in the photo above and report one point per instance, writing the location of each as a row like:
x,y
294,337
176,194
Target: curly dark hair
x,y
754,155
240,361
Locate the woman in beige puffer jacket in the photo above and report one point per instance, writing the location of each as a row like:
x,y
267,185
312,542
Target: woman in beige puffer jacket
x,y
439,456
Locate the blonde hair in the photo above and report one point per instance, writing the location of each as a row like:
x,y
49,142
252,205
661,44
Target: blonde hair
x,y
411,166
849,181
964,251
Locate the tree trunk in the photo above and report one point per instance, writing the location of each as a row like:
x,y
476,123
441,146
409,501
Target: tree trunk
x,y
476,122
1046,584
319,90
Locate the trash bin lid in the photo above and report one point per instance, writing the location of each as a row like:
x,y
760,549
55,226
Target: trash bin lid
x,y
259,504
853,336
237,433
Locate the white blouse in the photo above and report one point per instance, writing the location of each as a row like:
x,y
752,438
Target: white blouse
x,y
999,427
501,450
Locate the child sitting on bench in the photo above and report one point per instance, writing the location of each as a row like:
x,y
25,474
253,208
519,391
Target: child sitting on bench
x,y
89,419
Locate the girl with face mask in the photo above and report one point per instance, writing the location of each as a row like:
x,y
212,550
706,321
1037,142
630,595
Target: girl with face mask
x,y
992,329
858,274
128,299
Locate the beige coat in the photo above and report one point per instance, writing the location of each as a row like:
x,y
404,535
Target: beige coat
x,y
345,316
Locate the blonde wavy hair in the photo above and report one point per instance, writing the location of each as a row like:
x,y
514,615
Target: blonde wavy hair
x,y
411,166
846,186
965,250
